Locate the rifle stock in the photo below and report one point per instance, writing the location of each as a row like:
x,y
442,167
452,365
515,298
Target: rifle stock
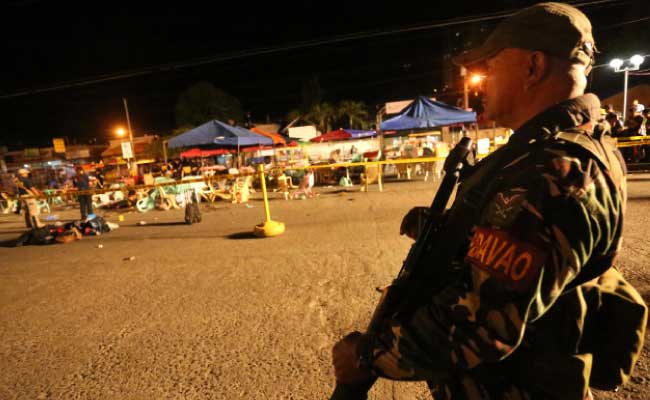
x,y
395,297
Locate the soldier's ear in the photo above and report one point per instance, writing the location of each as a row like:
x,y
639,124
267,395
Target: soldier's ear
x,y
537,68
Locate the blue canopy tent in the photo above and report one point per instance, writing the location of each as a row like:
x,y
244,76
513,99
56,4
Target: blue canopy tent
x,y
217,133
360,134
425,113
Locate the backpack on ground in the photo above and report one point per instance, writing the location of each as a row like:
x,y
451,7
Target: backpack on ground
x,y
192,210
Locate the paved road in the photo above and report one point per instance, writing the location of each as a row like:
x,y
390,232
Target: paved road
x,y
208,312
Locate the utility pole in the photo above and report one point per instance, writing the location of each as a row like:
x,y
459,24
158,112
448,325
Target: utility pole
x,y
463,73
134,166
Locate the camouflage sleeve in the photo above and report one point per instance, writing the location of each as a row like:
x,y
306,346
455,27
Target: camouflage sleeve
x,y
550,217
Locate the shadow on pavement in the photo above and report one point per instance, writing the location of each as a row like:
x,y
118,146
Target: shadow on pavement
x,y
638,198
8,243
242,235
637,178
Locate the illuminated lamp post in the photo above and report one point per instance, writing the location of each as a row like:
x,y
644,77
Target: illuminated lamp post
x,y
473,80
625,66
121,132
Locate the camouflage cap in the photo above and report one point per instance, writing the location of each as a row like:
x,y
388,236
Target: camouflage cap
x,y
556,29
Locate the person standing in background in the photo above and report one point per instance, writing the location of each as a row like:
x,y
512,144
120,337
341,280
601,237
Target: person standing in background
x,y
82,182
27,188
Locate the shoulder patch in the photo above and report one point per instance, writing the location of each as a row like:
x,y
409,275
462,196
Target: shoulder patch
x,y
507,259
505,206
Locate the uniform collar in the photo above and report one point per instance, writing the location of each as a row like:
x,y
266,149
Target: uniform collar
x,y
568,114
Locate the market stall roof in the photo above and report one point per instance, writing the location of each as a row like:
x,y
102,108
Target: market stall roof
x,y
116,149
218,133
196,152
120,161
276,137
342,134
361,133
425,113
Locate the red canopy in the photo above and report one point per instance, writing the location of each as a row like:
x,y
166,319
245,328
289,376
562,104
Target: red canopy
x,y
194,153
338,134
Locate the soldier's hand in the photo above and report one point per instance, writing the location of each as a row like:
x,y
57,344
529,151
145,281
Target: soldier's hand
x,y
346,361
413,222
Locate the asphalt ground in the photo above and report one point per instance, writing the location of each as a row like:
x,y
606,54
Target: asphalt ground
x,y
208,311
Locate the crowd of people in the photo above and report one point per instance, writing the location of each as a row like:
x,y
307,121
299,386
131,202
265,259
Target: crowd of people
x,y
637,123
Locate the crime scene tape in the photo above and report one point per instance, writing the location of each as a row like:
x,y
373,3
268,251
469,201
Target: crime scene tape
x,y
364,163
221,177
138,187
632,141
627,142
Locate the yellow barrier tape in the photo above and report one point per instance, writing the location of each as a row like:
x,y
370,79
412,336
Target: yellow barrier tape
x,y
359,164
218,177
632,141
637,141
137,187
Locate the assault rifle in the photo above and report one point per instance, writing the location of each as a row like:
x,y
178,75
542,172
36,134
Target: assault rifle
x,y
437,242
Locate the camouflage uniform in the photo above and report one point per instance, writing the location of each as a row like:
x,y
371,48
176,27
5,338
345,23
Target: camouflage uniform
x,y
507,328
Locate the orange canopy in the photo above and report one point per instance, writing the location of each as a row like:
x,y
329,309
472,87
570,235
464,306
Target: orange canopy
x,y
277,138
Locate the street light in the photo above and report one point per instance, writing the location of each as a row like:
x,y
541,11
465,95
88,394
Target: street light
x,y
626,66
474,80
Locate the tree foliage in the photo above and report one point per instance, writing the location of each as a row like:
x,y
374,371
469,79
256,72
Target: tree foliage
x,y
202,102
354,113
348,114
322,115
155,148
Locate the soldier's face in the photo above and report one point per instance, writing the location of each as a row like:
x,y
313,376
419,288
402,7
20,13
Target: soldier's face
x,y
504,87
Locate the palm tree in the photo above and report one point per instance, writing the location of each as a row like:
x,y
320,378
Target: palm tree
x,y
294,114
356,113
322,115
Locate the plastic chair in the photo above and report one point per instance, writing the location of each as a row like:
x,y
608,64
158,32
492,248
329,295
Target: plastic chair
x,y
371,175
43,205
7,204
285,184
240,191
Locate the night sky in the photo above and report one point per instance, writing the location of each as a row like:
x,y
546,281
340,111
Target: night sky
x,y
47,44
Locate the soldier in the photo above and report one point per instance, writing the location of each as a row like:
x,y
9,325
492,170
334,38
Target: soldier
x,y
521,320
27,188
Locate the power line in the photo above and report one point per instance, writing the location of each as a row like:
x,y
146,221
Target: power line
x,y
634,21
276,49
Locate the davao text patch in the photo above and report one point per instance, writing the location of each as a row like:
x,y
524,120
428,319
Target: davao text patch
x,y
507,259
